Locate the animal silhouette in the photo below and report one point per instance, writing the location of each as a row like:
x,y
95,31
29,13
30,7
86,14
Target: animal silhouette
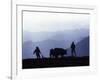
x,y
56,52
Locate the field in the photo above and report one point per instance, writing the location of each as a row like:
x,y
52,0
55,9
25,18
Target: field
x,y
55,62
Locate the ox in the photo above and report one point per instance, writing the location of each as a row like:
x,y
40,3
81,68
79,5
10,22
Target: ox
x,y
56,52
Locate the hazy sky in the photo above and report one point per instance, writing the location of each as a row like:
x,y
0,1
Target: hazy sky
x,y
40,22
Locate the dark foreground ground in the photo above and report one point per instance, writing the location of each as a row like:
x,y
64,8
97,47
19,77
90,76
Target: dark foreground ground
x,y
60,62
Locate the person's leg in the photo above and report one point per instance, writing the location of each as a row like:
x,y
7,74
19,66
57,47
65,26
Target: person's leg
x,y
50,55
72,52
39,56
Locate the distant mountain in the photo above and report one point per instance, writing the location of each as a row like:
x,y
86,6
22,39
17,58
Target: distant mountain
x,y
67,35
82,47
36,36
71,35
27,50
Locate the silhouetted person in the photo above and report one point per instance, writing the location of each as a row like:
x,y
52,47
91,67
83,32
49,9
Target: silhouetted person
x,y
38,52
73,51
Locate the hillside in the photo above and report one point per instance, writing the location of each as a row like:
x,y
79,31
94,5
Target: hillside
x,y
82,47
60,62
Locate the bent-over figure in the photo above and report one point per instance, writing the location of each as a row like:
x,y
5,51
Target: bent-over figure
x,y
37,52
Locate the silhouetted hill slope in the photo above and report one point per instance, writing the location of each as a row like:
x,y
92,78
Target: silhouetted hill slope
x,y
76,35
83,47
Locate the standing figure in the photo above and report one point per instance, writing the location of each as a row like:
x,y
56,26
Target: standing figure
x,y
73,51
38,52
